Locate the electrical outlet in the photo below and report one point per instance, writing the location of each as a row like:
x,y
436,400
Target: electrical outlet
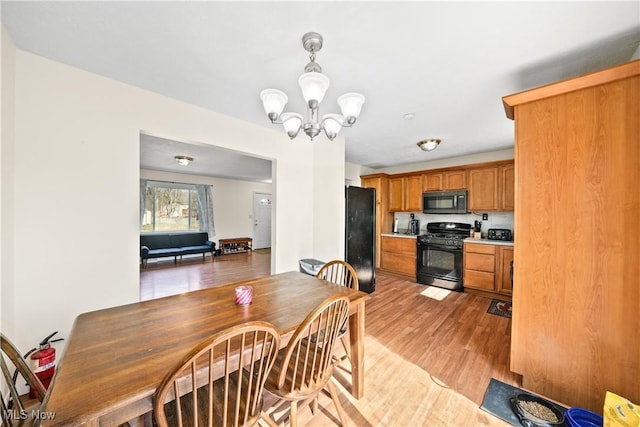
x,y
485,217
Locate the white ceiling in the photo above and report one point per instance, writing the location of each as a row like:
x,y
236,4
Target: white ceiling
x,y
159,154
449,63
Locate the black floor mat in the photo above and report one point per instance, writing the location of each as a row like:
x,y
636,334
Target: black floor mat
x,y
496,401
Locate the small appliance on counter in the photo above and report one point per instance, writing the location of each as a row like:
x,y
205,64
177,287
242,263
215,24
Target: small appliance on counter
x,y
500,234
395,226
414,226
476,232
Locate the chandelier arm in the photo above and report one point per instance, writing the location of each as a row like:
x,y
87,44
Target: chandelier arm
x,y
344,122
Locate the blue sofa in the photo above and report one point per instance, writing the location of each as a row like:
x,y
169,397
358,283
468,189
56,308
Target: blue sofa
x,y
158,245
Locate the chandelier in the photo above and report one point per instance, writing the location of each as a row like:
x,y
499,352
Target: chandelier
x,y
313,84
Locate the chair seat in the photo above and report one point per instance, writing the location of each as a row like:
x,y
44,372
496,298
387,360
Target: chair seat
x,y
297,391
218,402
303,369
226,372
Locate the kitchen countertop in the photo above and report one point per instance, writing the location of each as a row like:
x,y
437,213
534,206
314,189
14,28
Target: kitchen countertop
x,y
403,235
488,242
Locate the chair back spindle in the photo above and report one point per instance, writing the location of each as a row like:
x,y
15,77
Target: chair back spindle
x,y
339,272
220,381
11,405
305,366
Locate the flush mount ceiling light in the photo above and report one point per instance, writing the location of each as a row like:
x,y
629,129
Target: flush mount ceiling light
x,y
429,144
183,160
313,84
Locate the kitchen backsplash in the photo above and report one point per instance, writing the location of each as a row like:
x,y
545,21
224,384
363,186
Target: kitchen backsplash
x,y
495,220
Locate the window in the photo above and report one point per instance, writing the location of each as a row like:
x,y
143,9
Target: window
x,y
170,207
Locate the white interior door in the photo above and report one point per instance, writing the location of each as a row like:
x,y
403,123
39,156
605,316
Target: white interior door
x,y
261,220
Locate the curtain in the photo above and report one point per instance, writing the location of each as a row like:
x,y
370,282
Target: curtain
x,y
205,208
143,198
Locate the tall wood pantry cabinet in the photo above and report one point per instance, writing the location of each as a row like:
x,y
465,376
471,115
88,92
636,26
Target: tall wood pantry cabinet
x,y
383,217
576,292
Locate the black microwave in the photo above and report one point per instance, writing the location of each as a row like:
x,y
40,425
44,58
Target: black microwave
x,y
445,202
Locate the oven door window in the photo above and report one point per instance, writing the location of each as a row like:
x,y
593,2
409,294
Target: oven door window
x,y
444,263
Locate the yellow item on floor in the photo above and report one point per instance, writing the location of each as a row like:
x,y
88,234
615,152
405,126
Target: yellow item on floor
x,y
620,412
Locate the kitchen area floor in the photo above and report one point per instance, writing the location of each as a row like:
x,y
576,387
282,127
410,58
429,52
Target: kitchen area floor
x,y
456,340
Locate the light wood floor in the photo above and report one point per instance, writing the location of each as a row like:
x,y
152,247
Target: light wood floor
x,y
455,340
161,277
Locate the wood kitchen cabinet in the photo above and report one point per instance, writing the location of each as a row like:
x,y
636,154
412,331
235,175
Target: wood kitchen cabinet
x,y
483,189
450,180
487,269
405,194
574,333
479,266
504,270
398,256
491,188
396,194
506,184
384,218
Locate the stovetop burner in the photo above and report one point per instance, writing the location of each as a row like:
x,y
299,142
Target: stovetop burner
x,y
445,233
449,229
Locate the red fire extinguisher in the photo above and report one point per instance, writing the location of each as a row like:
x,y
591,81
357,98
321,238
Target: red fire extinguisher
x,y
42,361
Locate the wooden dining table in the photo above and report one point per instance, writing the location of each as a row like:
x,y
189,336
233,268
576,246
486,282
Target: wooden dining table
x,y
116,358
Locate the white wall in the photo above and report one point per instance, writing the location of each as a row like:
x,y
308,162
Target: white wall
x,y
352,173
490,156
329,176
76,184
7,308
232,201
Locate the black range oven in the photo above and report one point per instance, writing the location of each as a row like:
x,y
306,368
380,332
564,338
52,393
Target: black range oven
x,y
440,254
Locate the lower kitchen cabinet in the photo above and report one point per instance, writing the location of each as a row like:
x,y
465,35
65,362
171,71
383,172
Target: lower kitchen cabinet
x,y
398,255
487,269
504,279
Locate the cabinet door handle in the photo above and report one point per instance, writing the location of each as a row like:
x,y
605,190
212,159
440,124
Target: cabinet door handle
x,y
511,273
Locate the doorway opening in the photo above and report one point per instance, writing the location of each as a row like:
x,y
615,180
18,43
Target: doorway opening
x,y
236,179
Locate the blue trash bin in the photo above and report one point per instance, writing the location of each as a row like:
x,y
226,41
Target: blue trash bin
x,y
578,417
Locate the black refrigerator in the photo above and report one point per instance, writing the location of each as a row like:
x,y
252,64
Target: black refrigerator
x,y
360,236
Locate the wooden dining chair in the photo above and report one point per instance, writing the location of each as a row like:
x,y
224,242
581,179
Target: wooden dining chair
x,y
14,407
341,273
305,366
227,372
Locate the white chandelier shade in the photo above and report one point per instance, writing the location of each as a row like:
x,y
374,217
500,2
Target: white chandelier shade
x,y
291,123
351,105
332,124
313,85
273,101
